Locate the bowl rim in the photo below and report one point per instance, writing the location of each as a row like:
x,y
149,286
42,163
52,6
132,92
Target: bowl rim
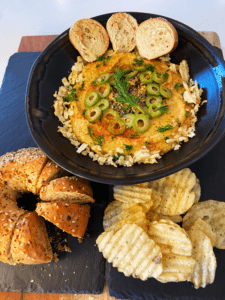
x,y
210,141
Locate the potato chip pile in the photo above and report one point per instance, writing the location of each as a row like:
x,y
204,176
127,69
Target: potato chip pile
x,y
142,239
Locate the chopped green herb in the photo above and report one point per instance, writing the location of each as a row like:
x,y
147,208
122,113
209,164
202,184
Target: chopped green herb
x,y
82,86
149,67
133,135
163,108
177,85
97,66
73,84
94,82
112,137
166,138
165,76
188,103
187,114
117,157
97,140
164,128
139,61
103,59
147,143
71,97
178,122
121,84
128,148
84,111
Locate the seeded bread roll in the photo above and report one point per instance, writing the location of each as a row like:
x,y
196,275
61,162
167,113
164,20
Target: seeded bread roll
x,y
90,38
122,28
22,168
50,171
70,217
67,189
30,243
156,37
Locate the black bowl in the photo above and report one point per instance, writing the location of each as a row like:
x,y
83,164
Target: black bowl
x,y
206,66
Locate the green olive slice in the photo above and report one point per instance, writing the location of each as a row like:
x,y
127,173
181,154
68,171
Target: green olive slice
x,y
151,99
102,79
141,123
104,90
111,114
165,92
141,68
153,110
93,114
103,104
128,120
117,127
158,77
131,74
111,80
146,77
153,89
91,99
142,110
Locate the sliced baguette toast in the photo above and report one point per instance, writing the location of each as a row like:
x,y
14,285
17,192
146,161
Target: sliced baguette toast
x,y
156,37
122,28
90,38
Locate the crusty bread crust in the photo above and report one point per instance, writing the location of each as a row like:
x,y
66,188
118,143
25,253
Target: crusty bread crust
x,y
90,38
70,217
156,37
67,189
22,168
50,171
30,243
122,28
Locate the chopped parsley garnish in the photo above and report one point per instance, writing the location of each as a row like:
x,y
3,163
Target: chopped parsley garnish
x,y
163,108
97,66
112,137
177,85
84,111
97,140
149,67
128,148
178,122
133,135
147,143
165,76
166,138
188,103
117,157
104,59
164,128
139,62
82,86
93,82
187,114
71,97
121,84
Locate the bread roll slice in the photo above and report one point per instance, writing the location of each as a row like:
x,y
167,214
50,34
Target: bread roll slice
x,y
156,37
30,244
50,171
9,215
122,29
22,168
70,217
90,38
67,189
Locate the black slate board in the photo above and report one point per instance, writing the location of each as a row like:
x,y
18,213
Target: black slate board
x,y
81,271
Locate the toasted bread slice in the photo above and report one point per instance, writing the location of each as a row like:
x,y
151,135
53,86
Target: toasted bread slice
x,y
70,217
156,37
90,38
122,29
30,244
67,189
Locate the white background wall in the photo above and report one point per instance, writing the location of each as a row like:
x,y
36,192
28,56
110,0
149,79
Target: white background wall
x,y
28,17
